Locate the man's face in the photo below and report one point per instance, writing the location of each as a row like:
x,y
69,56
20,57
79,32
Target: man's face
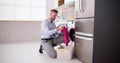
x,y
53,15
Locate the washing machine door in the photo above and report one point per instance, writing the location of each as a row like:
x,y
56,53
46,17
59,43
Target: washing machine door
x,y
71,33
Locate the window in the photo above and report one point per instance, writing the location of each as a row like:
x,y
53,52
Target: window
x,y
22,9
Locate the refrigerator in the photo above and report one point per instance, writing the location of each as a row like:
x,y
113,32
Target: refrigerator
x,y
84,29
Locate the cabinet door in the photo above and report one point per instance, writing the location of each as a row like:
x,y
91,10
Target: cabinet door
x,y
84,8
84,49
85,25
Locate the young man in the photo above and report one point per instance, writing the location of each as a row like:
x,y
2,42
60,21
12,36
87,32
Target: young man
x,y
50,35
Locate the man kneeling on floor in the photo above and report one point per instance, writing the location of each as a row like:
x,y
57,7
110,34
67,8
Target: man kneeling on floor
x,y
50,35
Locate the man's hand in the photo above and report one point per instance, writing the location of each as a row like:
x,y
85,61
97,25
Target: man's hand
x,y
60,27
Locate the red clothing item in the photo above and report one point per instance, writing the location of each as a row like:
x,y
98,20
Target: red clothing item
x,y
66,35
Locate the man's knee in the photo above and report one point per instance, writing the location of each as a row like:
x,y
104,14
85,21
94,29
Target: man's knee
x,y
53,54
49,49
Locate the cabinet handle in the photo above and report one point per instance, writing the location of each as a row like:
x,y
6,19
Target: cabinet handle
x,y
84,38
81,5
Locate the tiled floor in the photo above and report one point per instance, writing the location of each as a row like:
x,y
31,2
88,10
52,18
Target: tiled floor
x,y
26,52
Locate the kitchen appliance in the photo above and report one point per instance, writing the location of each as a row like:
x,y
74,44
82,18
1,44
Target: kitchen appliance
x,y
84,29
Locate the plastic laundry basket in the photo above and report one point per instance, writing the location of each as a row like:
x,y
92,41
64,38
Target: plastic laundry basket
x,y
65,52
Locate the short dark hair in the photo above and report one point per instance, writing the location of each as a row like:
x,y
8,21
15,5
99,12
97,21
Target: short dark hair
x,y
54,10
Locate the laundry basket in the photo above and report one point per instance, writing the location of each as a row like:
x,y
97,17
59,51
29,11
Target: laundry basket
x,y
65,52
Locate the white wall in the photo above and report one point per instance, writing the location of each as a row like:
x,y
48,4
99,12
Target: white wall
x,y
18,31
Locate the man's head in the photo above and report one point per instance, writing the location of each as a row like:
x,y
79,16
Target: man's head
x,y
53,14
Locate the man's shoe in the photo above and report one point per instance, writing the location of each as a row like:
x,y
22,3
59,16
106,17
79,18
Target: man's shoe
x,y
40,50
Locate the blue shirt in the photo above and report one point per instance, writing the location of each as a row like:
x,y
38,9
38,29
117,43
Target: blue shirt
x,y
48,29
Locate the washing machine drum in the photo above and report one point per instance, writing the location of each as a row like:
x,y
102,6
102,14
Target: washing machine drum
x,y
71,33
